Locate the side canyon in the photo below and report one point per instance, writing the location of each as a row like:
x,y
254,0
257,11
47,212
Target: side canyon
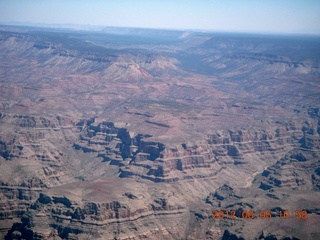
x,y
143,134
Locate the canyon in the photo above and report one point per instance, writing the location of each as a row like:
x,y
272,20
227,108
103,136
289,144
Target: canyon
x,y
142,134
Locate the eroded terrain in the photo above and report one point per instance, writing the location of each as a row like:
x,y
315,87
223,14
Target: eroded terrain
x,y
142,135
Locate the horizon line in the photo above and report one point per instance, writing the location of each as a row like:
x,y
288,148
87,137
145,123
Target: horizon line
x,y
68,26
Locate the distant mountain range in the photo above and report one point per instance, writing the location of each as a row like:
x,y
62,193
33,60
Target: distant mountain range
x,y
128,133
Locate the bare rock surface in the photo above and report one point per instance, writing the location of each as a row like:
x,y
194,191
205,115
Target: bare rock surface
x,y
101,138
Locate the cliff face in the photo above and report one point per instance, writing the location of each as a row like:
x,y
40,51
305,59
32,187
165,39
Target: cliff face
x,y
108,140
94,209
120,208
139,155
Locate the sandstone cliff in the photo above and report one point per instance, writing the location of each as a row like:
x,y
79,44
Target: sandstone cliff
x,y
108,140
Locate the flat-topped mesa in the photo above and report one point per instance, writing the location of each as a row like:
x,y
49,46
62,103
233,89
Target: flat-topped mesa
x,y
225,147
114,143
172,163
142,156
239,136
137,152
185,157
236,142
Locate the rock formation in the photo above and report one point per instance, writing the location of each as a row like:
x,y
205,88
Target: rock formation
x,y
108,140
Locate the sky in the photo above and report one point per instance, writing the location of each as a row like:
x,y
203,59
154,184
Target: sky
x,y
260,16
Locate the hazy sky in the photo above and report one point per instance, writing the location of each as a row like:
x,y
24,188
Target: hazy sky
x,y
273,16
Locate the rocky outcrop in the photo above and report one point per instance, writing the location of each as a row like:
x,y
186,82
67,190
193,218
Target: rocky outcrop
x,y
15,200
52,216
220,147
116,144
136,155
294,171
140,156
105,139
31,162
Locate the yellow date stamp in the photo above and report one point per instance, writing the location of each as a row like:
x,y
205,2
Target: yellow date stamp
x,y
261,214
